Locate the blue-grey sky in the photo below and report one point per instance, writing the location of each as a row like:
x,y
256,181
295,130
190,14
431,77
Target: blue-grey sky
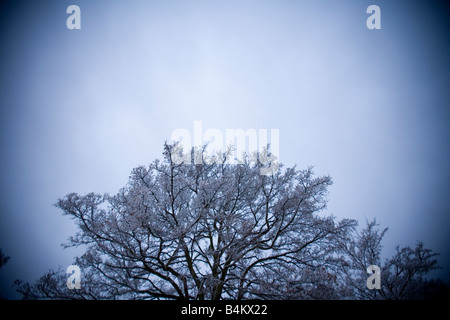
x,y
80,108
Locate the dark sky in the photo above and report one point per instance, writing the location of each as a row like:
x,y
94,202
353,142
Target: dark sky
x,y
80,108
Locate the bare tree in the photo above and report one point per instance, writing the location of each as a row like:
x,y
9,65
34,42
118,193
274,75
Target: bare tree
x,y
217,230
207,231
402,276
404,273
360,250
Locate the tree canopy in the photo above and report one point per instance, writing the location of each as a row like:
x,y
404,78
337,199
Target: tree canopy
x,y
217,230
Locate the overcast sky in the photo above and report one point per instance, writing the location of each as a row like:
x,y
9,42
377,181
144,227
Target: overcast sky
x,y
79,109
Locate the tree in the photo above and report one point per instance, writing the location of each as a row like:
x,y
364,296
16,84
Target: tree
x,y
404,273
207,231
360,250
217,230
402,276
